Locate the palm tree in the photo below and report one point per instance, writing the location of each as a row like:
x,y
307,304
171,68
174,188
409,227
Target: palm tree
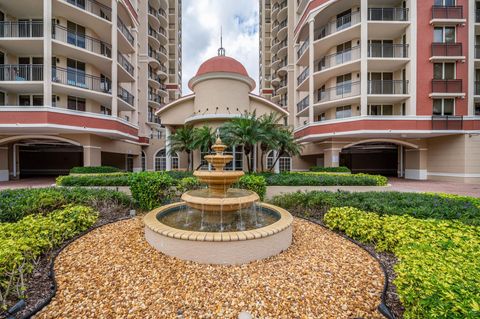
x,y
269,124
286,145
183,140
204,138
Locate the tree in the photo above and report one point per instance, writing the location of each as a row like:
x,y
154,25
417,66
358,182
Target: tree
x,y
183,140
269,124
286,145
204,138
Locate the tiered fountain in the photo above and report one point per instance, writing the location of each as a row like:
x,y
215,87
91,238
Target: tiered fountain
x,y
219,224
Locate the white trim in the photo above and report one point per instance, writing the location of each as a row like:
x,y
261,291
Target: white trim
x,y
473,175
94,147
386,140
51,137
221,75
419,174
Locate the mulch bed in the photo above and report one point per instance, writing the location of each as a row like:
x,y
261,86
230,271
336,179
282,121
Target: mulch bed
x,y
112,272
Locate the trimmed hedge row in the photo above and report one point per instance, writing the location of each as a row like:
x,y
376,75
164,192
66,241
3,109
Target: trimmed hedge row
x,y
94,170
438,272
418,205
340,169
23,242
113,179
323,179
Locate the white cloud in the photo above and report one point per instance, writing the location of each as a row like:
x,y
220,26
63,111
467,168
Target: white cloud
x,y
202,20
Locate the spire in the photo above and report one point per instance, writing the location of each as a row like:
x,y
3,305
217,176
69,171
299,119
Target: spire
x,y
221,50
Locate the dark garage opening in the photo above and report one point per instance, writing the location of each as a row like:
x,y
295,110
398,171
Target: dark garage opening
x,y
48,158
371,158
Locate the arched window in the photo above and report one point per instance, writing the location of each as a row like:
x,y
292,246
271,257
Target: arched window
x,y
144,161
284,162
161,161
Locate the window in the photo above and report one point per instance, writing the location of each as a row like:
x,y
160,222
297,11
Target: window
x,y
444,35
380,48
161,161
344,19
321,117
344,52
284,162
24,100
2,99
380,110
477,109
446,3
444,71
37,100
343,112
144,161
76,73
76,103
237,163
443,107
344,84
105,110
380,83
75,34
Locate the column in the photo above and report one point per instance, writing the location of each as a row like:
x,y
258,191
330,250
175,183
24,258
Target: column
x,y
311,56
471,57
92,156
114,59
416,164
47,52
4,173
167,149
135,75
276,167
364,55
331,157
137,163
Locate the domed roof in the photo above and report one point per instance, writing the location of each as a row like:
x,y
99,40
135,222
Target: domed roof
x,y
222,64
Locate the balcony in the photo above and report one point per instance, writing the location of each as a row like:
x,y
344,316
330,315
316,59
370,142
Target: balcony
x,y
442,51
82,41
303,104
125,63
21,29
451,87
127,36
125,96
81,80
302,49
477,51
336,59
476,88
154,99
444,13
447,122
387,14
477,15
384,50
21,72
338,25
340,92
94,7
153,119
303,76
387,87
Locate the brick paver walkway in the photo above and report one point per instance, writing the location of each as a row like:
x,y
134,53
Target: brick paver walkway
x,y
28,183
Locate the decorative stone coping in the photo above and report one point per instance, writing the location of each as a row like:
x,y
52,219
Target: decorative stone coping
x,y
214,204
153,224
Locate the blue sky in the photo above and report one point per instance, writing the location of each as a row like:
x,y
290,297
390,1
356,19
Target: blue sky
x,y
201,34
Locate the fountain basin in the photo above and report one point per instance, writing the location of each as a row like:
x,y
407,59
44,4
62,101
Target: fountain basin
x,y
218,181
230,247
231,200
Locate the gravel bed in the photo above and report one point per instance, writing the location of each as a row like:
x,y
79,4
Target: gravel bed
x,y
113,273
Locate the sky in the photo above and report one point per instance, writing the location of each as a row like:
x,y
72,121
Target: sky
x,y
202,20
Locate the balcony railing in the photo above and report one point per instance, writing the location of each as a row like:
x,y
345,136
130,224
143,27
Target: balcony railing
x,y
477,15
447,122
388,14
81,40
476,88
303,76
477,51
303,104
447,86
447,49
123,28
153,33
21,72
447,12
154,97
387,87
162,13
123,61
81,80
384,50
342,91
302,48
153,119
21,29
337,25
125,96
279,5
94,7
339,58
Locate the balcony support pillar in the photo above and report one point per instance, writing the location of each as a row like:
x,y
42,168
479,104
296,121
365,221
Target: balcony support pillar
x,y
416,163
364,60
471,58
135,75
311,57
114,58
47,52
4,172
92,156
331,157
168,156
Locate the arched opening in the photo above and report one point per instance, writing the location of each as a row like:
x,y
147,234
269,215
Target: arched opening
x,y
144,161
284,162
161,161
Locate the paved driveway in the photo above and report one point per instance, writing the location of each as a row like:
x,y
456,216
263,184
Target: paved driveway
x,y
28,183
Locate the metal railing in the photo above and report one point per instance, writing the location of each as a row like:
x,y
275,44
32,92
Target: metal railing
x,y
477,51
153,119
283,83
21,29
81,40
388,14
476,88
447,86
337,25
281,25
279,6
162,13
94,7
302,48
447,49
447,122
163,50
21,72
123,28
339,58
345,90
126,96
303,75
447,12
154,97
387,50
387,87
80,79
477,15
125,63
153,33
303,104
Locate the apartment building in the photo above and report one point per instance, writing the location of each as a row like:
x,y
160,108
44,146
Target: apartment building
x,y
80,81
384,86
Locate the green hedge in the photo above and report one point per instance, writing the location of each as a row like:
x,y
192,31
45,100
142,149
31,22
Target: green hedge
x,y
323,179
23,242
94,170
419,205
340,169
18,203
438,273
253,183
108,179
152,189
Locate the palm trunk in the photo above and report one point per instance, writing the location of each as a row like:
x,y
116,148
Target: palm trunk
x,y
279,154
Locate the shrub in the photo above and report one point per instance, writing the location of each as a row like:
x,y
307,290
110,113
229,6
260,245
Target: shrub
x,y
179,174
438,272
109,179
340,169
151,189
18,203
254,183
188,183
22,243
94,170
418,205
323,179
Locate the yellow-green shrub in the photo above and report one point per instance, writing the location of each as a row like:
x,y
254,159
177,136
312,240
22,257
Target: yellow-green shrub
x,y
438,273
